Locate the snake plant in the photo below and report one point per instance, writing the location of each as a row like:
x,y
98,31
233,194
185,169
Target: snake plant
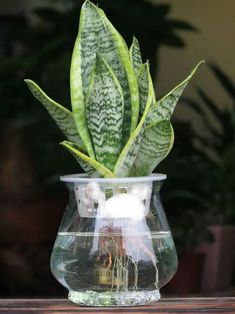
x,y
116,128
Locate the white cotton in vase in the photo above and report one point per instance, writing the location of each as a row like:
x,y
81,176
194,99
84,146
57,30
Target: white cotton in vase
x,y
94,192
123,206
142,191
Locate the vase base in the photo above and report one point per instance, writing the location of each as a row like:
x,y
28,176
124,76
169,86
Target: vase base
x,y
109,298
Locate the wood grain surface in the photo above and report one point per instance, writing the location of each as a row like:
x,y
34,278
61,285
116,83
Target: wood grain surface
x,y
179,305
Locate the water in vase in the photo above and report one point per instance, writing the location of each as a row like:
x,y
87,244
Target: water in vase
x,y
113,261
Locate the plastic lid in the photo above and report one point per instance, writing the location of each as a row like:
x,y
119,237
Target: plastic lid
x,y
84,178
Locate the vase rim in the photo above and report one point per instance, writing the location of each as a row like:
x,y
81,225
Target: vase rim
x,y
84,178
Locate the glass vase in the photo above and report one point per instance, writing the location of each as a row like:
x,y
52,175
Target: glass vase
x,y
114,246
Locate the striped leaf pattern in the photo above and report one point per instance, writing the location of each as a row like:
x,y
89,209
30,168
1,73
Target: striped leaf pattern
x,y
97,35
128,155
82,63
87,162
130,87
135,56
155,145
164,108
116,127
144,87
152,87
62,116
104,114
127,158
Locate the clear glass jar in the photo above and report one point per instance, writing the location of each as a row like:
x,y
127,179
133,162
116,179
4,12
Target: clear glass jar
x,y
114,245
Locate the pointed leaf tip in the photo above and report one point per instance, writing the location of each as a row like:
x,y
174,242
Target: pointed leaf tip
x,y
164,107
198,65
88,3
135,55
135,40
62,116
96,33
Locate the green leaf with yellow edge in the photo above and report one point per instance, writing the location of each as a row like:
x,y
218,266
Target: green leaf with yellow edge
x,y
164,107
144,84
156,143
102,170
62,116
135,56
97,35
130,90
128,155
82,62
104,113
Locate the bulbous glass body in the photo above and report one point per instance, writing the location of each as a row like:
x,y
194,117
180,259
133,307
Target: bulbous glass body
x,y
114,245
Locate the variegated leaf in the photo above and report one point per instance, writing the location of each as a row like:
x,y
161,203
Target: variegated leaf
x,y
135,56
128,155
164,108
137,64
130,87
62,116
155,145
104,113
87,162
83,59
97,35
144,87
152,86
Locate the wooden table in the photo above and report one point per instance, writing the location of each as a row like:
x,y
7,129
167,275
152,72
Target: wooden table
x,y
168,305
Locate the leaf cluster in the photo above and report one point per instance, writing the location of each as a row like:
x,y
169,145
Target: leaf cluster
x,y
116,128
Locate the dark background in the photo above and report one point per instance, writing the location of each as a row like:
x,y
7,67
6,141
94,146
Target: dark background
x,y
36,41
